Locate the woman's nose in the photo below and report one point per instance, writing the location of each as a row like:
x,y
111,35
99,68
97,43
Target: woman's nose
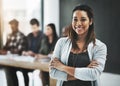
x,y
79,23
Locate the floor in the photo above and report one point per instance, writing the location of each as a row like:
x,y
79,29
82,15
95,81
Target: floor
x,y
33,77
107,79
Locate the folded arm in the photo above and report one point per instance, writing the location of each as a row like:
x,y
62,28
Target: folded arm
x,y
62,72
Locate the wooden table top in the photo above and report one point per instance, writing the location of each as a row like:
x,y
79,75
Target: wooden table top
x,y
21,62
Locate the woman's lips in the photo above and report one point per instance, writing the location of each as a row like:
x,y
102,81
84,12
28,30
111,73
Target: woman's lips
x,y
78,28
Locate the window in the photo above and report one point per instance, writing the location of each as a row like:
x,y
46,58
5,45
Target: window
x,y
23,11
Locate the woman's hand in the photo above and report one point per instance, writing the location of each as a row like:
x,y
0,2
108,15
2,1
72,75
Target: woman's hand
x,y
93,64
56,63
28,53
69,77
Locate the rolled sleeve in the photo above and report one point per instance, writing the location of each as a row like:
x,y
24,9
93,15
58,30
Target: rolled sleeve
x,y
59,75
54,73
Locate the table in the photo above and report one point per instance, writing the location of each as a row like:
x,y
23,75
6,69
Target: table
x,y
26,62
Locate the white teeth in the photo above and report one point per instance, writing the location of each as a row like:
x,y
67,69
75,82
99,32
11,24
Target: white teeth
x,y
79,28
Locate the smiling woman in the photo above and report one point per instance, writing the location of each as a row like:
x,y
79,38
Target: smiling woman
x,y
79,59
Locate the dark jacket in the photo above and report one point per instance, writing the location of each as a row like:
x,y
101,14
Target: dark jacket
x,y
16,43
39,39
46,47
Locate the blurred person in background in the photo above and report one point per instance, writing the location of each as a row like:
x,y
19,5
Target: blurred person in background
x,y
65,30
49,43
47,48
34,39
16,43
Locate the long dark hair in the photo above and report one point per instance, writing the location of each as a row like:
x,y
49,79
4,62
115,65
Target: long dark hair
x,y
90,35
55,36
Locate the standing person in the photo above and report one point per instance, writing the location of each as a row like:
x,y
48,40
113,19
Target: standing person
x,y
79,59
16,43
47,49
34,39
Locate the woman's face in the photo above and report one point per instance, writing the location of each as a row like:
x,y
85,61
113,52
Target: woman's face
x,y
48,31
80,22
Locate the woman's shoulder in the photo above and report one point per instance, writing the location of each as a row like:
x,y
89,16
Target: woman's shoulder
x,y
99,43
99,47
63,39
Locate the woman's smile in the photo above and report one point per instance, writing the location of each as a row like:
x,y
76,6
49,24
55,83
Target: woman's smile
x,y
79,28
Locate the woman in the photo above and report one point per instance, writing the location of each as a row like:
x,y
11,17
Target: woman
x,y
48,45
79,59
47,48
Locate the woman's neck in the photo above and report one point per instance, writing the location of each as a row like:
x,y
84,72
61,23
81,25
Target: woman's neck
x,y
82,38
50,38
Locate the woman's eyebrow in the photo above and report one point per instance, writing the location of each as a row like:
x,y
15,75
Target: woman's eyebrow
x,y
77,17
83,17
74,16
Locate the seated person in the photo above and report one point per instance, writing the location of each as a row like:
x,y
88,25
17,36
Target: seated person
x,y
49,43
46,50
65,30
34,39
16,43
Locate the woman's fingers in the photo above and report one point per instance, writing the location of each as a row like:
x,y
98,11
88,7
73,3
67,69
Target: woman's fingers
x,y
93,64
53,63
56,59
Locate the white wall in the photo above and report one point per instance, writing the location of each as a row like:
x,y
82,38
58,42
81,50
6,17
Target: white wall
x,y
51,13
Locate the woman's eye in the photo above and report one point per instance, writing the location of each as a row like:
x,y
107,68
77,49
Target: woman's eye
x,y
83,20
75,20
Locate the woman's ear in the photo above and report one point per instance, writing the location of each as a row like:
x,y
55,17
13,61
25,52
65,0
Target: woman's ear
x,y
91,21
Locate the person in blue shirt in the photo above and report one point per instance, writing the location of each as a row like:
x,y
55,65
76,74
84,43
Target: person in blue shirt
x,y
34,39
